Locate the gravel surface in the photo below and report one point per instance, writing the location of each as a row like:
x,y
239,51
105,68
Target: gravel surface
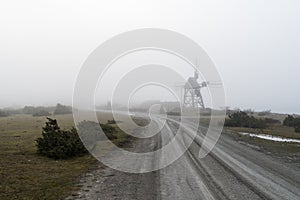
x,y
106,183
235,169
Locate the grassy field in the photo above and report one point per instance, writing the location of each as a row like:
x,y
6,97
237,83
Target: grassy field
x,y
26,175
275,130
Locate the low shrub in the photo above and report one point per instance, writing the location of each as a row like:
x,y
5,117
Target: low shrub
x,y
59,144
289,121
92,130
3,113
62,109
272,121
297,125
41,113
242,119
113,121
292,121
264,113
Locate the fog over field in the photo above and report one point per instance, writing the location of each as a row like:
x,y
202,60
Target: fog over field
x,y
254,44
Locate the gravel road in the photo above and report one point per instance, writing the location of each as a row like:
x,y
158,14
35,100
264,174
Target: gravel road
x,y
233,170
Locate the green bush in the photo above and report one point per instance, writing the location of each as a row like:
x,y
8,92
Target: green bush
x,y
242,119
89,129
289,121
3,113
264,113
59,144
31,110
272,121
113,121
91,133
297,124
61,110
292,121
41,113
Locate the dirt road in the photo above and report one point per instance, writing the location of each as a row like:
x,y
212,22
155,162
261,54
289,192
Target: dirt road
x,y
233,170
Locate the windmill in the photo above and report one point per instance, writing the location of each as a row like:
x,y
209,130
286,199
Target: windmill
x,y
190,91
192,96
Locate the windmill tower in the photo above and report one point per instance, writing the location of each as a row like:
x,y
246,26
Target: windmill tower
x,y
192,96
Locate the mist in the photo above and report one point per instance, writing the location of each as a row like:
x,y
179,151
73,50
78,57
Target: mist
x,y
254,45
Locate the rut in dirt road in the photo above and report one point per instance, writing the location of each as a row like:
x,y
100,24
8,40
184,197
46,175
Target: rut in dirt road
x,y
231,171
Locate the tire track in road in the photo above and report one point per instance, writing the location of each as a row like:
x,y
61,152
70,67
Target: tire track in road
x,y
214,178
234,175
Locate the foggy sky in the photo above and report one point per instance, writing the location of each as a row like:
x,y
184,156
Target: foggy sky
x,y
254,44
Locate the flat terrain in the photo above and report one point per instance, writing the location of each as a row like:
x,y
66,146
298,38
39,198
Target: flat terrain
x,y
275,130
238,168
26,175
107,183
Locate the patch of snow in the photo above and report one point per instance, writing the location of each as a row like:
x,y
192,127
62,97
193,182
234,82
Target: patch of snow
x,y
270,137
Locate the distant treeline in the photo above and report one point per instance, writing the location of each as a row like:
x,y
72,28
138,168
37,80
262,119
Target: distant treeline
x,y
248,111
243,119
59,109
31,110
62,109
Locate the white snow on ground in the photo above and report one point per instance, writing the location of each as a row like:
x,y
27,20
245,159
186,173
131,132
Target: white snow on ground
x,y
270,137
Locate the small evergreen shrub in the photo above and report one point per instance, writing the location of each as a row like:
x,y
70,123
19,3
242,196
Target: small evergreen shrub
x,y
59,144
289,121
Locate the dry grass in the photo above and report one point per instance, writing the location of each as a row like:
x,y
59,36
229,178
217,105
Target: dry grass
x,y
275,130
26,175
